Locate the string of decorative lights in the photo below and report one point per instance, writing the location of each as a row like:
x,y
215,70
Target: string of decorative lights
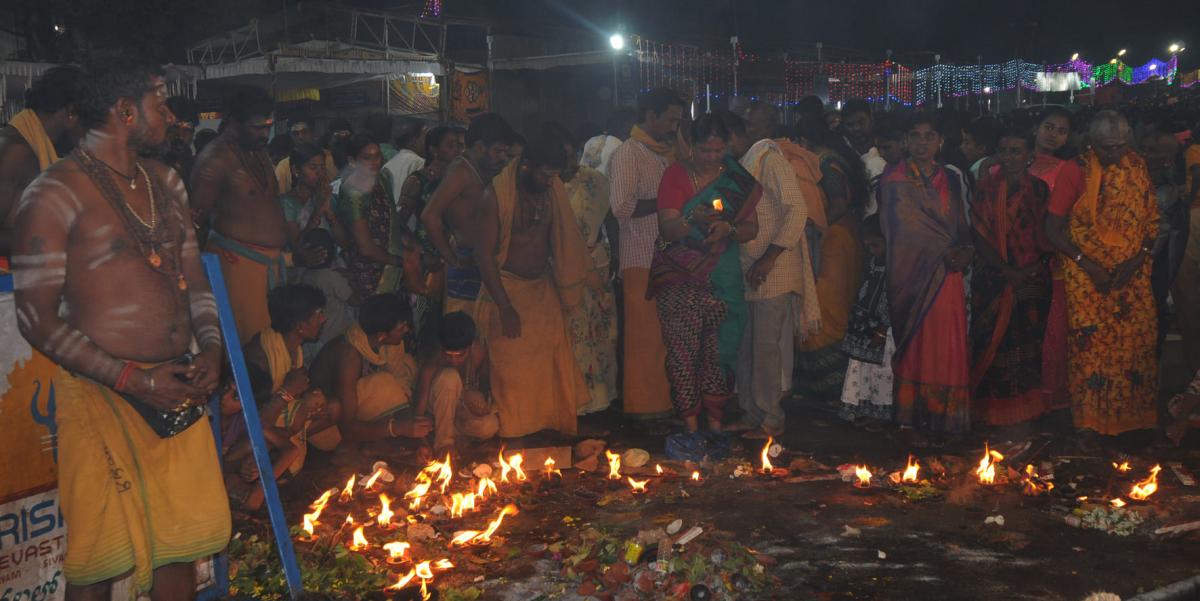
x,y
694,72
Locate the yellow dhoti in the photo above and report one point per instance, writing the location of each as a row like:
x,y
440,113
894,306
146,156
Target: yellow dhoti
x,y
250,272
645,391
132,500
536,383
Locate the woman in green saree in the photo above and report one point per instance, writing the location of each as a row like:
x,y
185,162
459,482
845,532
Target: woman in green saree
x,y
705,207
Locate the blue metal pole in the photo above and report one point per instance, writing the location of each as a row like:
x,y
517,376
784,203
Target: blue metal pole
x,y
233,347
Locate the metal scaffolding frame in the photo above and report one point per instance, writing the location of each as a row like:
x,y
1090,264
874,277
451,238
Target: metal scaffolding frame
x,y
241,43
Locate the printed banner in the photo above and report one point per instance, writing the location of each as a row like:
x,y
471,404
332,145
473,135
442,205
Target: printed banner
x,y
469,96
32,534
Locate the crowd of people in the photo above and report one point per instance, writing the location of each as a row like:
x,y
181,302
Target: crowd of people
x,y
445,285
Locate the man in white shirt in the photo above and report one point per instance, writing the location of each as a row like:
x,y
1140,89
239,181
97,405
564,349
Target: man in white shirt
x,y
636,170
409,158
779,278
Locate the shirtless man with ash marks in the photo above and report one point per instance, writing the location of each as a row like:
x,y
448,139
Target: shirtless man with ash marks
x,y
453,208
50,103
236,194
109,286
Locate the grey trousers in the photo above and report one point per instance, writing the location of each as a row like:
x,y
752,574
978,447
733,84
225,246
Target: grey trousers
x,y
762,367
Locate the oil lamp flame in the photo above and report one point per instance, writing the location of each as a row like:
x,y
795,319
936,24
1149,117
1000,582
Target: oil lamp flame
x,y
371,481
550,469
359,542
614,465
1032,484
441,472
419,490
1142,490
384,519
910,471
987,466
348,491
864,477
486,486
515,462
397,550
638,487
767,468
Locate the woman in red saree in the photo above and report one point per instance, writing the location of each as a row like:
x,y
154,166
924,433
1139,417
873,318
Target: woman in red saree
x,y
1010,288
1050,138
928,246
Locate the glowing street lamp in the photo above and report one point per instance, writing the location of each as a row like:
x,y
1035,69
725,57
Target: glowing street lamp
x,y
1112,62
1173,48
1075,57
617,41
1121,53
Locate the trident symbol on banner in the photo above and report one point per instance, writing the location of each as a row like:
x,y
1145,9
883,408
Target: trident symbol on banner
x,y
47,418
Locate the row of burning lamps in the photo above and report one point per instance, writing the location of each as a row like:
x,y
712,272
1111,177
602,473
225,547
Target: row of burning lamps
x,y
1032,483
441,473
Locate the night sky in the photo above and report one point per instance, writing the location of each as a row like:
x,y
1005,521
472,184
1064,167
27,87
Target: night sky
x,y
1036,30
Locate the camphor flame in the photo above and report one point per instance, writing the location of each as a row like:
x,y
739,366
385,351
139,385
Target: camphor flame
x,y
515,462
404,580
1117,503
696,476
319,505
1142,490
492,527
864,477
550,469
309,524
473,537
460,503
766,452
418,492
505,468
464,537
441,472
717,205
397,550
638,486
486,486
348,492
1122,467
1032,484
359,542
658,468
910,471
987,466
614,465
350,519
424,571
384,519
371,481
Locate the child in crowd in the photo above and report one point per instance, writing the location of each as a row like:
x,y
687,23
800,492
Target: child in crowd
x,y
867,391
453,386
339,296
241,472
